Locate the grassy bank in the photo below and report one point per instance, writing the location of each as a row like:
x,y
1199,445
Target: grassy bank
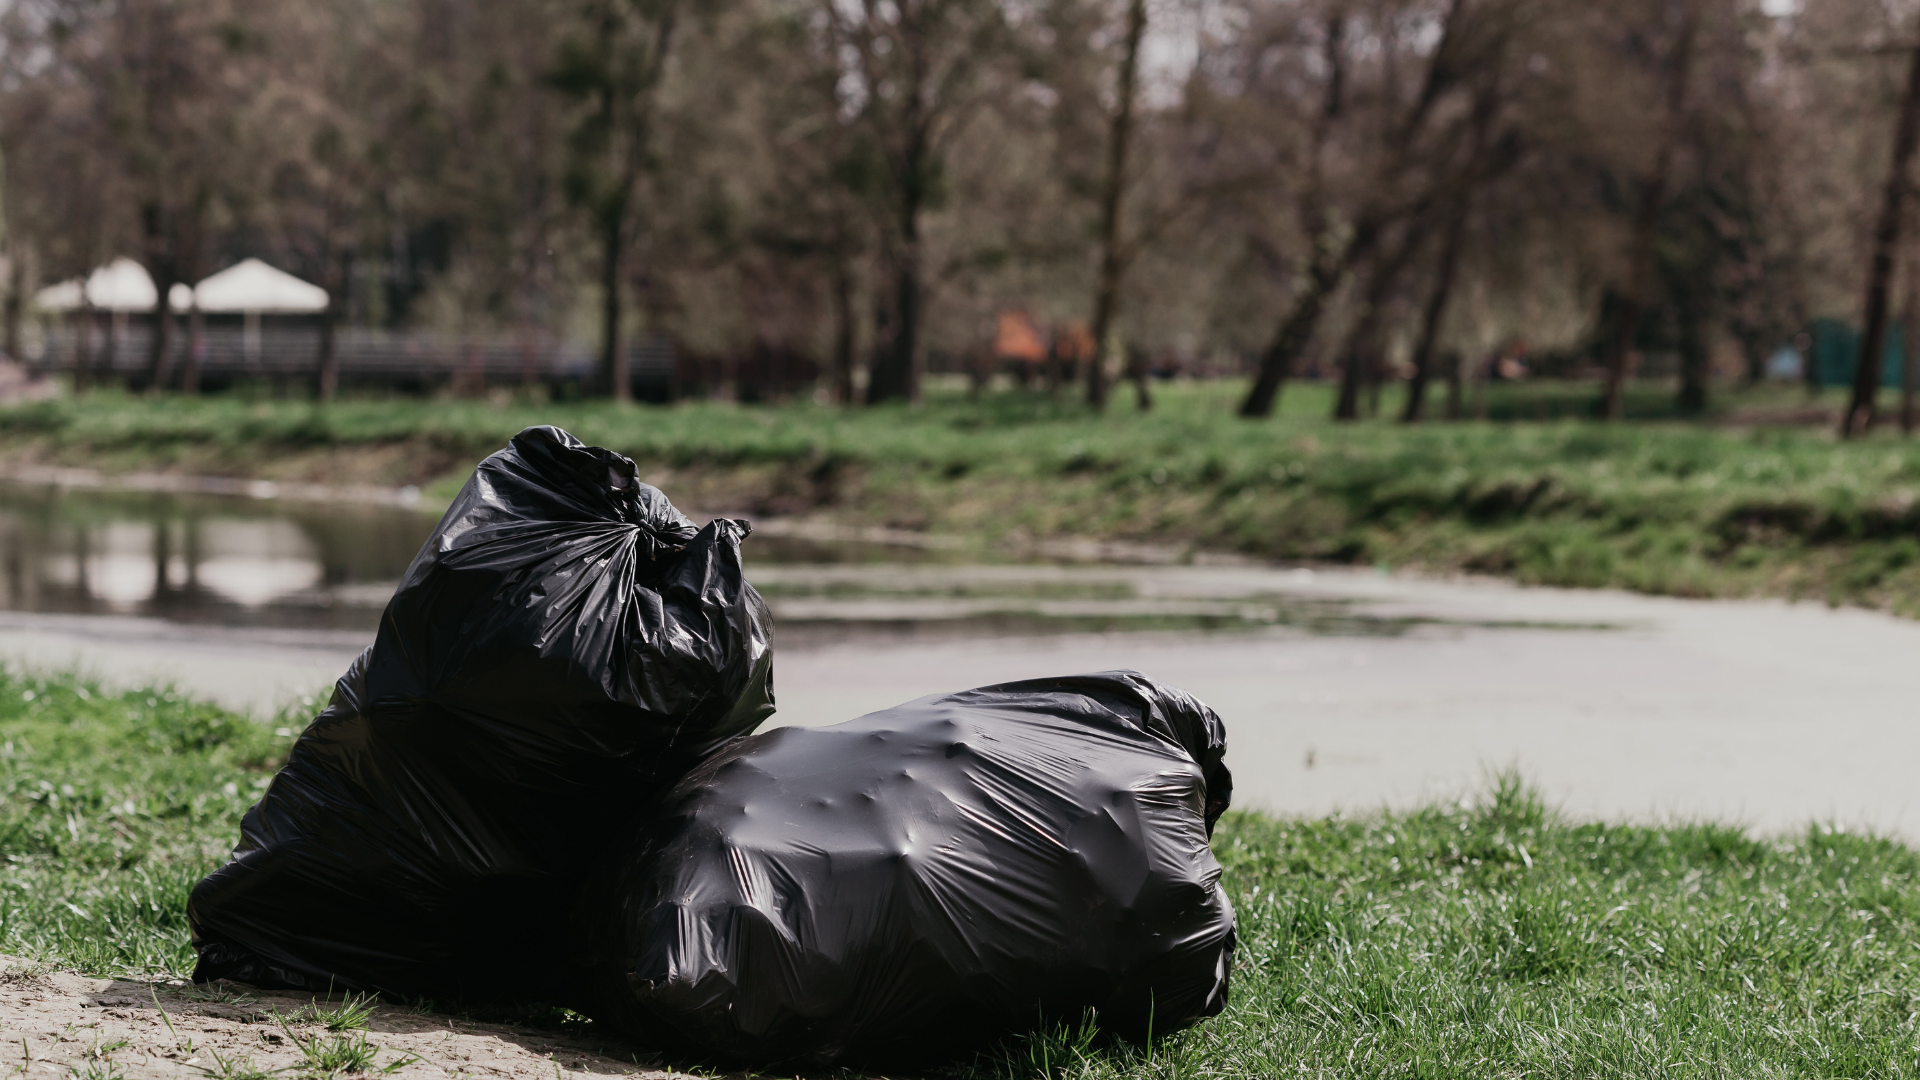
x,y
112,805
1716,509
1484,938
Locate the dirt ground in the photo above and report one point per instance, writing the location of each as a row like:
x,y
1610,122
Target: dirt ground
x,y
54,1024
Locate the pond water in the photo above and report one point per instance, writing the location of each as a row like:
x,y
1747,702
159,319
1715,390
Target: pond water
x,y
234,561
202,559
1341,688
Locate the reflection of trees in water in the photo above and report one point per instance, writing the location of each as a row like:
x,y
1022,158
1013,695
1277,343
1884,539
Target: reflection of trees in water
x,y
83,560
176,563
198,559
19,582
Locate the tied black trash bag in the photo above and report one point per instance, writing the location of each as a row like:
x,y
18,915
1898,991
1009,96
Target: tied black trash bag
x,y
925,879
565,642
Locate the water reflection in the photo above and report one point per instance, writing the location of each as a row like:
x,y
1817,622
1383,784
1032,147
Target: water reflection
x,y
201,558
237,561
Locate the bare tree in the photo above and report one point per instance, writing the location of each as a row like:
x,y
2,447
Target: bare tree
x,y
872,181
808,235
1488,157
1340,244
1910,338
1331,254
1653,194
614,64
159,79
915,69
1113,191
1446,269
1886,242
16,272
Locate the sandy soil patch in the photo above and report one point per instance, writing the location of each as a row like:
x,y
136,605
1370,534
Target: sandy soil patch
x,y
61,1025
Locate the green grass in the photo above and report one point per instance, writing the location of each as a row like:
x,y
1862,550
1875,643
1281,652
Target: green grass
x,y
1720,508
112,805
350,1013
339,1055
1498,939
1487,937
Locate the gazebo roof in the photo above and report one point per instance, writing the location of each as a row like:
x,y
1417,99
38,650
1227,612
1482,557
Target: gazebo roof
x,y
248,285
251,285
121,285
62,297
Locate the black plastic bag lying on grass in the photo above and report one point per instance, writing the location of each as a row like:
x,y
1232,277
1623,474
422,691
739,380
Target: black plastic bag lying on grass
x,y
923,879
566,640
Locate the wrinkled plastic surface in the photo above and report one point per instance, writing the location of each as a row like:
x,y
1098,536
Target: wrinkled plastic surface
x,y
565,643
925,878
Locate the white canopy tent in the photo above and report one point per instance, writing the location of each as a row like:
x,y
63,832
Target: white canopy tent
x,y
121,285
248,286
252,286
62,297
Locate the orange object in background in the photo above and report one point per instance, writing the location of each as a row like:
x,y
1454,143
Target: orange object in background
x,y
1016,338
1075,343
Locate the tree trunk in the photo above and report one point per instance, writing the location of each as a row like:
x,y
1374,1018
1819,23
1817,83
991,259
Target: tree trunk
x,y
894,378
329,362
1653,194
1329,266
1909,370
160,344
1139,368
112,350
1352,372
1112,204
1364,351
1886,241
157,240
16,278
1753,354
1482,381
83,350
843,336
1692,400
1325,270
1456,391
622,119
1276,364
1432,318
1910,342
16,299
196,342
897,376
1486,109
613,352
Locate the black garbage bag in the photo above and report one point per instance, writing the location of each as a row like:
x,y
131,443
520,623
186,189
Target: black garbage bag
x,y
565,643
924,879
